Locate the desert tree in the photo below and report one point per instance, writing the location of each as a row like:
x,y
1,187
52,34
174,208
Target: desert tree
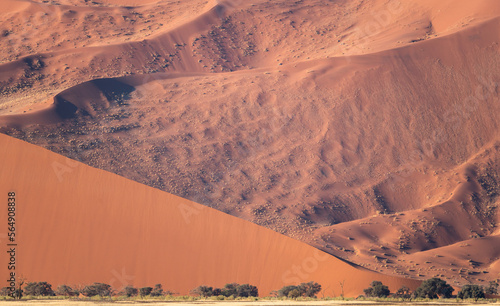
x,y
39,289
434,288
100,289
295,293
145,291
230,289
202,291
403,293
285,291
65,290
471,292
246,290
18,293
130,291
157,290
309,289
377,289
492,288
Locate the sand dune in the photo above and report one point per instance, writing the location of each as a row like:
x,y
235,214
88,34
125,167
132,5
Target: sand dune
x,y
366,129
77,225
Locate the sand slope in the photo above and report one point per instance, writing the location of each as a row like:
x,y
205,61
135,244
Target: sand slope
x,y
76,225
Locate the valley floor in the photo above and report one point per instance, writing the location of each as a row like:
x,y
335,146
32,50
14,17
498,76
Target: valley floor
x,y
242,303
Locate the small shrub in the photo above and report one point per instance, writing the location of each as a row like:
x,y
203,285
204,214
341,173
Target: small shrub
x,y
5,291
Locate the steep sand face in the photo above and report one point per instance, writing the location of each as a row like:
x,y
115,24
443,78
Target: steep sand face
x,y
77,225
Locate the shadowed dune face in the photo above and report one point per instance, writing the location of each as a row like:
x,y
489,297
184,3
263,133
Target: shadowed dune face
x,y
368,130
77,225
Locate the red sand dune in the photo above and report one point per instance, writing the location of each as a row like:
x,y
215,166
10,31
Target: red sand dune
x,y
77,225
368,129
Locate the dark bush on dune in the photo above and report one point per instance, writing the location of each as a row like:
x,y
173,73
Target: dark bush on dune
x,y
145,291
65,290
232,289
246,290
157,290
377,289
130,291
492,288
434,288
309,289
202,291
471,292
403,293
97,289
39,289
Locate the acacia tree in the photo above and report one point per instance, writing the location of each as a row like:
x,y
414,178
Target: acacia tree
x,y
283,292
157,290
377,289
145,291
246,290
130,291
65,290
309,289
230,290
39,289
403,293
100,289
492,288
202,291
471,292
434,288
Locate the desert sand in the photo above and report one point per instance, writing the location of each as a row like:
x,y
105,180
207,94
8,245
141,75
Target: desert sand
x,y
368,130
77,225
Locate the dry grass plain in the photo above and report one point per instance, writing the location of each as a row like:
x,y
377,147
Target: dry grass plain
x,y
242,303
